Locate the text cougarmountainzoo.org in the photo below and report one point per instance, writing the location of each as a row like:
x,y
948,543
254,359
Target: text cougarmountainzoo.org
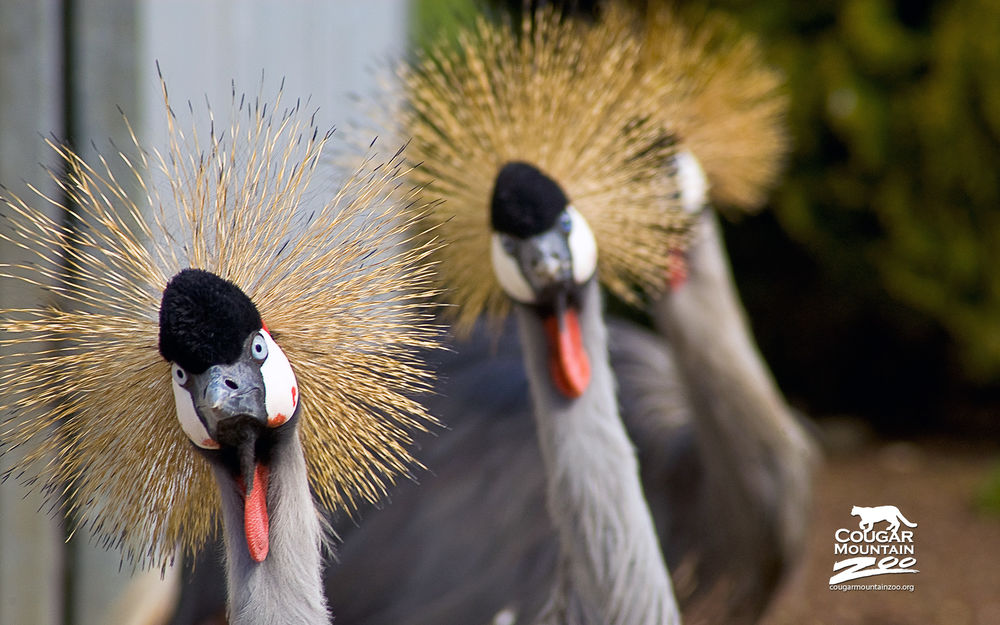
x,y
852,587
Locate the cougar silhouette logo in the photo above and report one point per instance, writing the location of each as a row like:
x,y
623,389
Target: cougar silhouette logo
x,y
871,516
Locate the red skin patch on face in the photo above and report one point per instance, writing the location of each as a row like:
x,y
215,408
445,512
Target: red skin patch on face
x,y
677,273
264,327
279,419
568,362
295,396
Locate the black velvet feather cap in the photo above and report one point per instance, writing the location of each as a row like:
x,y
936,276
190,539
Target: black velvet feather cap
x,y
204,320
525,201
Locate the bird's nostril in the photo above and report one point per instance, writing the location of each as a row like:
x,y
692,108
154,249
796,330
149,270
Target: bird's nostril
x,y
232,384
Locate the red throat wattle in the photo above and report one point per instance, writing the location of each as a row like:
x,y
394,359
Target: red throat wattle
x,y
568,362
255,520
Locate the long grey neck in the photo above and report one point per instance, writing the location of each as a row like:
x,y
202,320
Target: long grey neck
x,y
614,571
757,447
286,588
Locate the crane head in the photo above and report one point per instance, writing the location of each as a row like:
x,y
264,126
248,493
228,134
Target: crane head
x,y
692,196
234,389
543,251
569,105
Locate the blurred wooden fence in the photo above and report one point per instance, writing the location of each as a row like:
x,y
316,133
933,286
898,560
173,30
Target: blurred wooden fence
x,y
66,67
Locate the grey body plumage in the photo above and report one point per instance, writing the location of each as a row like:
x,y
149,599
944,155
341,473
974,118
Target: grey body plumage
x,y
727,480
755,456
610,569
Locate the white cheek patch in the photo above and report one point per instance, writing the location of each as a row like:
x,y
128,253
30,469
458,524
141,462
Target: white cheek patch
x,y
692,181
281,393
188,417
508,273
582,247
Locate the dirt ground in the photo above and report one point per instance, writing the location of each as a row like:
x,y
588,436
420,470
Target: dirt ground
x,y
957,547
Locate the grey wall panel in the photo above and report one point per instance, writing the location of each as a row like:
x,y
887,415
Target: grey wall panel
x,y
30,106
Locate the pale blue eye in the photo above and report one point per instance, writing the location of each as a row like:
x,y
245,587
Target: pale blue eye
x,y
259,347
565,223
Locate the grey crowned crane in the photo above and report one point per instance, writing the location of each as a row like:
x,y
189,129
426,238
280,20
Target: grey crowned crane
x,y
726,465
226,331
550,169
544,255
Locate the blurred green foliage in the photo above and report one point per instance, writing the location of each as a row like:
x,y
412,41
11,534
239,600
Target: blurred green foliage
x,y
896,172
436,19
987,498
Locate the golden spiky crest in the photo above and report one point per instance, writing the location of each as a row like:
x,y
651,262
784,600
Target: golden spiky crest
x,y
732,105
567,96
340,288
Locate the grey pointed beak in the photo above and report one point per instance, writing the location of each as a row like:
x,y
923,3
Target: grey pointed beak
x,y
225,393
546,262
550,267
